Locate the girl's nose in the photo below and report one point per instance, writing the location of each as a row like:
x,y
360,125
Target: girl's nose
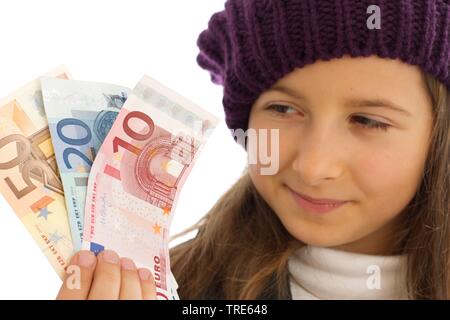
x,y
319,158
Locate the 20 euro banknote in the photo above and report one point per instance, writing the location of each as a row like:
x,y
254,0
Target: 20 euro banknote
x,y
80,115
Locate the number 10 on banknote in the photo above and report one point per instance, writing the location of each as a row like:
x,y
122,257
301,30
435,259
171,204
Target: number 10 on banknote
x,y
137,176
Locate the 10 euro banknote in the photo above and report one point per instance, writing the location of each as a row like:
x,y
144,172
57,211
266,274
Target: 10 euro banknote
x,y
137,176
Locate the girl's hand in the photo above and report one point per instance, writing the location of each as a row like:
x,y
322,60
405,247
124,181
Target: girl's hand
x,y
107,277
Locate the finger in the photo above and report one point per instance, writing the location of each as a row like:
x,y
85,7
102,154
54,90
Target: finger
x,y
130,286
79,276
147,284
106,283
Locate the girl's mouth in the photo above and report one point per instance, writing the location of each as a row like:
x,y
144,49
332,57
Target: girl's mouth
x,y
316,205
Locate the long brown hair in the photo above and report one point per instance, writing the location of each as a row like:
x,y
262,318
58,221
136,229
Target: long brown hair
x,y
241,248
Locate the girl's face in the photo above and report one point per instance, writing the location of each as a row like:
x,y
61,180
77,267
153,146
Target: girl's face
x,y
352,129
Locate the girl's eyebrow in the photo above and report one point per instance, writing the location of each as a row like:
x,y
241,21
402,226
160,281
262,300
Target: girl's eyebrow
x,y
286,90
352,102
377,102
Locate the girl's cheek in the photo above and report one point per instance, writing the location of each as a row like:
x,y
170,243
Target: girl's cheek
x,y
387,174
377,164
288,147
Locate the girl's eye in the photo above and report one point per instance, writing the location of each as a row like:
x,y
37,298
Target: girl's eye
x,y
281,109
370,123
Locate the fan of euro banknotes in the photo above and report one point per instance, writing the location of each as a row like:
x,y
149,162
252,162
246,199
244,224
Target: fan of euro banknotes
x,y
95,166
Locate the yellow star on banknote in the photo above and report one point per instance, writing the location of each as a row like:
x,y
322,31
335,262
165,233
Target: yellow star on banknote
x,y
157,228
166,211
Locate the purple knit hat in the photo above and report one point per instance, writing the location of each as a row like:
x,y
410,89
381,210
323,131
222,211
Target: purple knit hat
x,y
251,44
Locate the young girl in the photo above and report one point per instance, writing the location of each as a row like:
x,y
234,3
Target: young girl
x,y
359,204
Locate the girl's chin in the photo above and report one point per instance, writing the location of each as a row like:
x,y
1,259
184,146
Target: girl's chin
x,y
319,235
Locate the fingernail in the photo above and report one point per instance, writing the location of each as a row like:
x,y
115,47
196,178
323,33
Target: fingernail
x,y
110,257
127,264
144,274
86,259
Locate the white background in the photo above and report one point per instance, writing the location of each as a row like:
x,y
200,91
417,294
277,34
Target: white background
x,y
114,41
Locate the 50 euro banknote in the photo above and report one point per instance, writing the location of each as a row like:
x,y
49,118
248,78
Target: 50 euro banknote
x,y
138,174
80,115
29,177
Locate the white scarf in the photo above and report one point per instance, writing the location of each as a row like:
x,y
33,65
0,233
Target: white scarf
x,y
327,273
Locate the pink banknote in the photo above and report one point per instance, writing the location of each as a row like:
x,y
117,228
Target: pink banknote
x,y
138,174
